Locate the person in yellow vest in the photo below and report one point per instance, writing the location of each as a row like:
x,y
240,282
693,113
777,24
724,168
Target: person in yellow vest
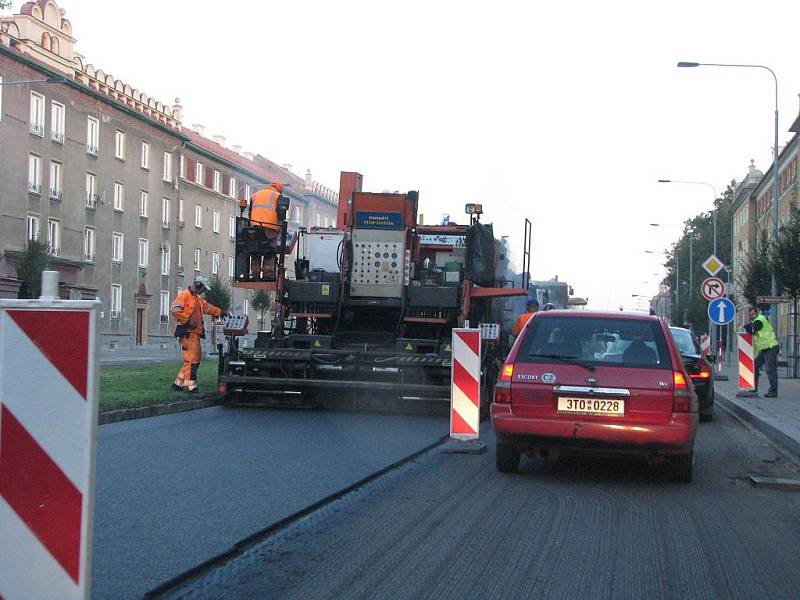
x,y
264,214
531,308
188,308
765,348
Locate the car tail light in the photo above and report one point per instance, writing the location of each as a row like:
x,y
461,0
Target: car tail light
x,y
222,388
682,396
705,372
502,389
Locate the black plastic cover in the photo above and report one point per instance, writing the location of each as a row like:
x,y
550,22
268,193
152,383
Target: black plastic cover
x,y
481,255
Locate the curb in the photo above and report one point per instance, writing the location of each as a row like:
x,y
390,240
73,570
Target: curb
x,y
156,410
788,442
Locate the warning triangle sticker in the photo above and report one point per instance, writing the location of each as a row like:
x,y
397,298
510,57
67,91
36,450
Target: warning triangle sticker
x,y
316,344
409,346
63,337
447,348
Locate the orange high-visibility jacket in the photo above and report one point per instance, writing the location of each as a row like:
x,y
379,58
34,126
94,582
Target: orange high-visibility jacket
x,y
263,205
522,320
191,306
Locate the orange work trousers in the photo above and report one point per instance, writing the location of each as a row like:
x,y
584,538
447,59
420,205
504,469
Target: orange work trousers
x,y
192,355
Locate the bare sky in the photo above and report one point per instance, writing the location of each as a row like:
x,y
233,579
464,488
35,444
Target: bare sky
x,y
563,112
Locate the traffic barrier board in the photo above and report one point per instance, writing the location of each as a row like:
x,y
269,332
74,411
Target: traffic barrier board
x,y
465,388
712,288
747,379
48,424
721,311
705,344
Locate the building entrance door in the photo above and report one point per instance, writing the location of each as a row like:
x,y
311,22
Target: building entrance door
x,y
140,326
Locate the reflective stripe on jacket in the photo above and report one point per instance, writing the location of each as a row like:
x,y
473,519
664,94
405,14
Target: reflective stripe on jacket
x,y
188,306
263,205
764,338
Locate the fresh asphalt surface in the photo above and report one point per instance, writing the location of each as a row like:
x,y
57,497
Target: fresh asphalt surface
x,y
451,526
176,490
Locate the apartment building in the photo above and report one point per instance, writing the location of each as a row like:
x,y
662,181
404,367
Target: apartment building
x,y
131,204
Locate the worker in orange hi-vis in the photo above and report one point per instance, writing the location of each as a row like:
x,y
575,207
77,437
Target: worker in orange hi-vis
x,y
532,307
264,214
188,309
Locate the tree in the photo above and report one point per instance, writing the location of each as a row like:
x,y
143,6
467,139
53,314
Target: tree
x,y
785,261
219,294
34,260
262,302
756,277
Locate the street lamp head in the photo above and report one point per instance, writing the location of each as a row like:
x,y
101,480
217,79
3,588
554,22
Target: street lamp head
x,y
56,80
683,64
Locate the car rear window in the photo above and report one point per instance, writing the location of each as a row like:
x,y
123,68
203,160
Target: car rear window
x,y
683,339
596,341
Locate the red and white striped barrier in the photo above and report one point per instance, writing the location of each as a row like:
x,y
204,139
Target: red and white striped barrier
x,y
705,344
48,424
747,378
465,396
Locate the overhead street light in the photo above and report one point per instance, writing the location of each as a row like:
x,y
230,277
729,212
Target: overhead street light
x,y
775,189
48,80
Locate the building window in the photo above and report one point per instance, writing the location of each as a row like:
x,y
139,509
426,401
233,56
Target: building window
x,y
217,182
231,266
215,263
119,196
55,180
166,257
180,256
33,227
54,236
145,155
116,247
180,210
333,222
164,307
232,187
144,247
165,213
232,227
245,307
326,220
247,191
34,174
57,122
183,167
88,244
198,174
92,136
119,144
143,198
116,301
167,167
297,214
215,221
198,216
37,114
318,220
91,195
197,259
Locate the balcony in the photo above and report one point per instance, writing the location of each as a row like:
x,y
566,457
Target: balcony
x,y
165,225
53,250
88,257
34,188
55,194
91,201
37,129
57,137
91,149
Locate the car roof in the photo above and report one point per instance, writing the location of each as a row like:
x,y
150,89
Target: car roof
x,y
606,314
673,328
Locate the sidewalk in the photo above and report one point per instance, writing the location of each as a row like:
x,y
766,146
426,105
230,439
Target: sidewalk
x,y
137,356
778,418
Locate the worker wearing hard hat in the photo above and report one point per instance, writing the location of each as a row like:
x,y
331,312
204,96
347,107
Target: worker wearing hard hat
x,y
531,308
188,309
264,214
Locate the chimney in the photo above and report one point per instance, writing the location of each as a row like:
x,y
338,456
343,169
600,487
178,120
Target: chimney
x,y
237,148
199,128
177,110
220,139
309,180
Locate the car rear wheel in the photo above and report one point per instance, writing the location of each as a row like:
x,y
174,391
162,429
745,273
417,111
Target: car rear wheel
x,y
682,467
507,458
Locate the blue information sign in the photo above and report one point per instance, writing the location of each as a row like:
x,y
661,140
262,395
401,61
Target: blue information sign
x,y
721,311
378,220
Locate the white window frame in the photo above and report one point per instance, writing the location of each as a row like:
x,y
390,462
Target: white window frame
x,y
144,198
58,118
180,256
166,258
232,188
245,307
54,236
196,260
247,191
164,304
91,187
56,178
198,216
144,252
319,220
198,173
182,167
232,227
32,231
89,243
217,182
119,144
231,267
119,196
180,210
117,246
215,221
37,114
115,302
167,173
165,213
327,221
215,263
34,173
145,155
92,135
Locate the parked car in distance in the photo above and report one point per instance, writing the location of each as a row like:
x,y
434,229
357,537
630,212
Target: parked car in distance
x,y
598,383
700,370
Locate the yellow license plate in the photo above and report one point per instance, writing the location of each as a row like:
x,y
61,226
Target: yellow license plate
x,y
607,407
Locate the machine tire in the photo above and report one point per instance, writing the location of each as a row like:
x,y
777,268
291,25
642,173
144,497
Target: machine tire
x,y
682,467
507,458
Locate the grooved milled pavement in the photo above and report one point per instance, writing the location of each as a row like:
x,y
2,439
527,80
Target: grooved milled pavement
x,y
450,526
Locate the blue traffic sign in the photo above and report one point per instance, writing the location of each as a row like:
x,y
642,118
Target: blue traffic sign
x,y
721,311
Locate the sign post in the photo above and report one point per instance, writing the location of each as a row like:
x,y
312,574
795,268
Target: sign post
x,y
48,426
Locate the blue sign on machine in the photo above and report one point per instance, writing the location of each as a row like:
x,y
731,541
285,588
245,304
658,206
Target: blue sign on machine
x,y
378,220
721,311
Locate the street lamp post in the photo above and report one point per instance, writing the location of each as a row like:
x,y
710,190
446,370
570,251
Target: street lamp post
x,y
48,80
775,182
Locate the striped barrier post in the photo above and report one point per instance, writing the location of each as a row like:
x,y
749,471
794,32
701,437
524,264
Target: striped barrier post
x,y
465,392
747,379
705,344
48,424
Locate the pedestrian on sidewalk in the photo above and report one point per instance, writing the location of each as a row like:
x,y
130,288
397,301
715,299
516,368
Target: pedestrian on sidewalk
x,y
765,348
188,309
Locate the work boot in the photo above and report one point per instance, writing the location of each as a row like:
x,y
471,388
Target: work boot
x,y
176,388
771,395
193,390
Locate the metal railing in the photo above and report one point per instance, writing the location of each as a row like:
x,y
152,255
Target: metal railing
x,y
37,129
55,194
91,200
57,136
91,149
34,188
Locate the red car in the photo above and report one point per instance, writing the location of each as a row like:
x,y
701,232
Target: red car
x,y
596,383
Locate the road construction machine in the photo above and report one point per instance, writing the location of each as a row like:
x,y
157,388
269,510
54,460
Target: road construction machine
x,y
366,322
